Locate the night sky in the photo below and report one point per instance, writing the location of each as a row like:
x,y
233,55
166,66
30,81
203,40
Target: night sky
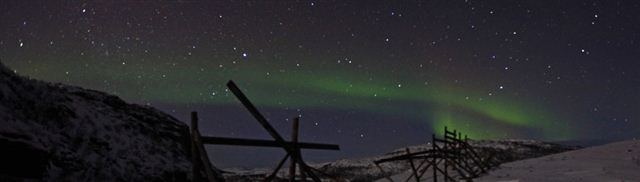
x,y
370,76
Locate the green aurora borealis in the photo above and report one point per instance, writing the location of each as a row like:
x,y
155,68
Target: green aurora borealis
x,y
436,104
371,76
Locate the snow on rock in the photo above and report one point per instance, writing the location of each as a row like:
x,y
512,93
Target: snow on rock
x,y
618,161
57,132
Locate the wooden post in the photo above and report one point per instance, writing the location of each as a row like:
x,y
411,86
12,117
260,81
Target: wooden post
x,y
459,149
447,148
294,141
195,155
200,159
194,120
435,164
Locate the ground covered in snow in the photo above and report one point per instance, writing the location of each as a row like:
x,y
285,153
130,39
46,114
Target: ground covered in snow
x,y
364,169
618,161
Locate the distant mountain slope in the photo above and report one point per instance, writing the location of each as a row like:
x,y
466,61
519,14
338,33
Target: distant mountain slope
x,y
618,161
364,169
502,150
65,133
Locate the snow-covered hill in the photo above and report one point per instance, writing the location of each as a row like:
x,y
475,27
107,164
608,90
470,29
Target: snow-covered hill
x,y
618,161
364,169
65,133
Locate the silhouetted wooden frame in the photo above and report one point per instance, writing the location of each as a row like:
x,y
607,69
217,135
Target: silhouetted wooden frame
x,y
452,151
291,148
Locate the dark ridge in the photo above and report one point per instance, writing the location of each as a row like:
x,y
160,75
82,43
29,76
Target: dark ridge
x,y
57,132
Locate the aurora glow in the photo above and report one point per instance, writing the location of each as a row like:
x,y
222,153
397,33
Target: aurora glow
x,y
371,76
347,92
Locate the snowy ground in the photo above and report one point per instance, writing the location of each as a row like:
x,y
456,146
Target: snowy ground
x,y
364,169
618,161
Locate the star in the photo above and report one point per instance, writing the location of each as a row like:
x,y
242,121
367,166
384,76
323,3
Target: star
x,y
442,68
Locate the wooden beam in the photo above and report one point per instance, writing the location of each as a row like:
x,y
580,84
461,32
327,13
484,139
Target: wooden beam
x,y
264,143
213,174
413,166
294,142
195,153
275,172
256,114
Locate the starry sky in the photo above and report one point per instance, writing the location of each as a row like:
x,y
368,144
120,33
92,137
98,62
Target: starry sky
x,y
371,76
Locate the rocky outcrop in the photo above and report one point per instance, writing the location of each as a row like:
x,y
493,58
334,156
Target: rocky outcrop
x,y
58,132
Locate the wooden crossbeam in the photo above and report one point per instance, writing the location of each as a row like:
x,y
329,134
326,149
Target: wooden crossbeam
x,y
256,114
292,148
443,141
413,166
435,154
265,143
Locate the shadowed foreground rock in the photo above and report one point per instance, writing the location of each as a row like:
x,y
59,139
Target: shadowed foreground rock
x,y
65,133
